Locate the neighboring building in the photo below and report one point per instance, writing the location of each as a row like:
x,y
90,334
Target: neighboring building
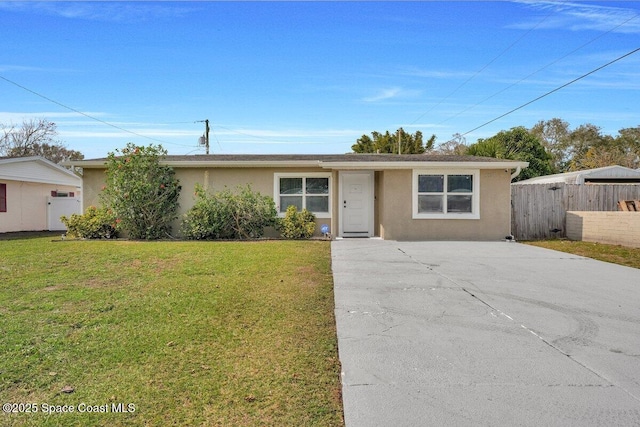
x,y
398,197
35,192
606,175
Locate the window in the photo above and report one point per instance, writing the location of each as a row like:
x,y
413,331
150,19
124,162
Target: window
x,y
61,194
446,195
3,197
304,191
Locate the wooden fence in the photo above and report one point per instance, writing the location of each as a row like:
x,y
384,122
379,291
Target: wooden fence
x,y
539,211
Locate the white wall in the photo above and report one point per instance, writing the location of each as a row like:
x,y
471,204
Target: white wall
x,y
27,205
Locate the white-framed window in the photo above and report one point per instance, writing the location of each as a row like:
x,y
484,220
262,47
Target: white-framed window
x,y
310,191
439,194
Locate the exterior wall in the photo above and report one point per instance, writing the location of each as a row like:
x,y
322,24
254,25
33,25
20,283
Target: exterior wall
x,y
378,202
396,222
215,179
392,205
260,179
615,228
92,182
27,205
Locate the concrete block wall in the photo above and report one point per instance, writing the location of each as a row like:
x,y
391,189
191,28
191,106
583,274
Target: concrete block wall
x,y
615,228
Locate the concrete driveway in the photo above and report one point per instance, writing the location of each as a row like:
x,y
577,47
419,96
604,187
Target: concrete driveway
x,y
485,333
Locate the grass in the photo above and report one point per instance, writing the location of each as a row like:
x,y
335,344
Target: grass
x,y
189,333
622,255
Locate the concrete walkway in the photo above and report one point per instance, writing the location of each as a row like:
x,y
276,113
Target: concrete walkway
x,y
485,333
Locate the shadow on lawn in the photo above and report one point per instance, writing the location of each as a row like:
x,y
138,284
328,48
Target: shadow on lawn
x,y
29,234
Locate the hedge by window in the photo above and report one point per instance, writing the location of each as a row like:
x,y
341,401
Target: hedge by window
x,y
304,191
446,194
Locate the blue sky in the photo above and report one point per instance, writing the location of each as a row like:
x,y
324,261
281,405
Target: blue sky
x,y
312,77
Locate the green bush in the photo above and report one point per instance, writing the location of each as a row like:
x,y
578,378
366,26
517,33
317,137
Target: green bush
x,y
94,224
297,225
243,214
141,191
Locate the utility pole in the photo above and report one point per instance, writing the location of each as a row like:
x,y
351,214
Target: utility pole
x,y
400,141
205,137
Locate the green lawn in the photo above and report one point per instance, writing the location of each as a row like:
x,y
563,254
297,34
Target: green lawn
x,y
188,333
610,253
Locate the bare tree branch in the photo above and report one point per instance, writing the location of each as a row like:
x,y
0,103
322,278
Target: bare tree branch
x,y
35,138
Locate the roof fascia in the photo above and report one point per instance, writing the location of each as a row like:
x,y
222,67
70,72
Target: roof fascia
x,y
47,163
244,163
98,164
54,181
423,165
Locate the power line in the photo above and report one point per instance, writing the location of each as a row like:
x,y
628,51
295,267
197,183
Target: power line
x,y
554,90
216,138
88,115
245,134
508,48
538,70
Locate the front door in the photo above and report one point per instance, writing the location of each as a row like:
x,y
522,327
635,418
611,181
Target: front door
x,y
356,204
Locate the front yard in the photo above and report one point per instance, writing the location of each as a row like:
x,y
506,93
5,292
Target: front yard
x,y
168,333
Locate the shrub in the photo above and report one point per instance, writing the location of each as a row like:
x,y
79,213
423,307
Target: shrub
x,y
297,225
243,214
94,224
142,192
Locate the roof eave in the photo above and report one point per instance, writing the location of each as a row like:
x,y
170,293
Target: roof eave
x,y
244,163
423,165
352,165
97,164
45,162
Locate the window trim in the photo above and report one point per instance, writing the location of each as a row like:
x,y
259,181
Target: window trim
x,y
3,197
475,194
303,175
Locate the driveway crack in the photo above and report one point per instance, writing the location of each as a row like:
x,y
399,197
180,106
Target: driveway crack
x,y
545,341
554,347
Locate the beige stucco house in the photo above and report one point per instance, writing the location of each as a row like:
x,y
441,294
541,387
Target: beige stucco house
x,y
35,192
398,197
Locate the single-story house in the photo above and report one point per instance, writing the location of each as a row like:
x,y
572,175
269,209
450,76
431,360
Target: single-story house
x,y
606,175
397,197
35,192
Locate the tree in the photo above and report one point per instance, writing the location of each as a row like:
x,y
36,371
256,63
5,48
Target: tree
x,y
142,192
583,138
35,138
586,147
388,143
630,137
555,137
457,146
629,141
516,144
601,156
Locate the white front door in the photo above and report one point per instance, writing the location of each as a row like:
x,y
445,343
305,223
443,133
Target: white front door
x,y
356,204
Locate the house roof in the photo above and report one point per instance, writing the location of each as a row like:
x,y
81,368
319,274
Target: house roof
x,y
327,161
605,174
36,169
